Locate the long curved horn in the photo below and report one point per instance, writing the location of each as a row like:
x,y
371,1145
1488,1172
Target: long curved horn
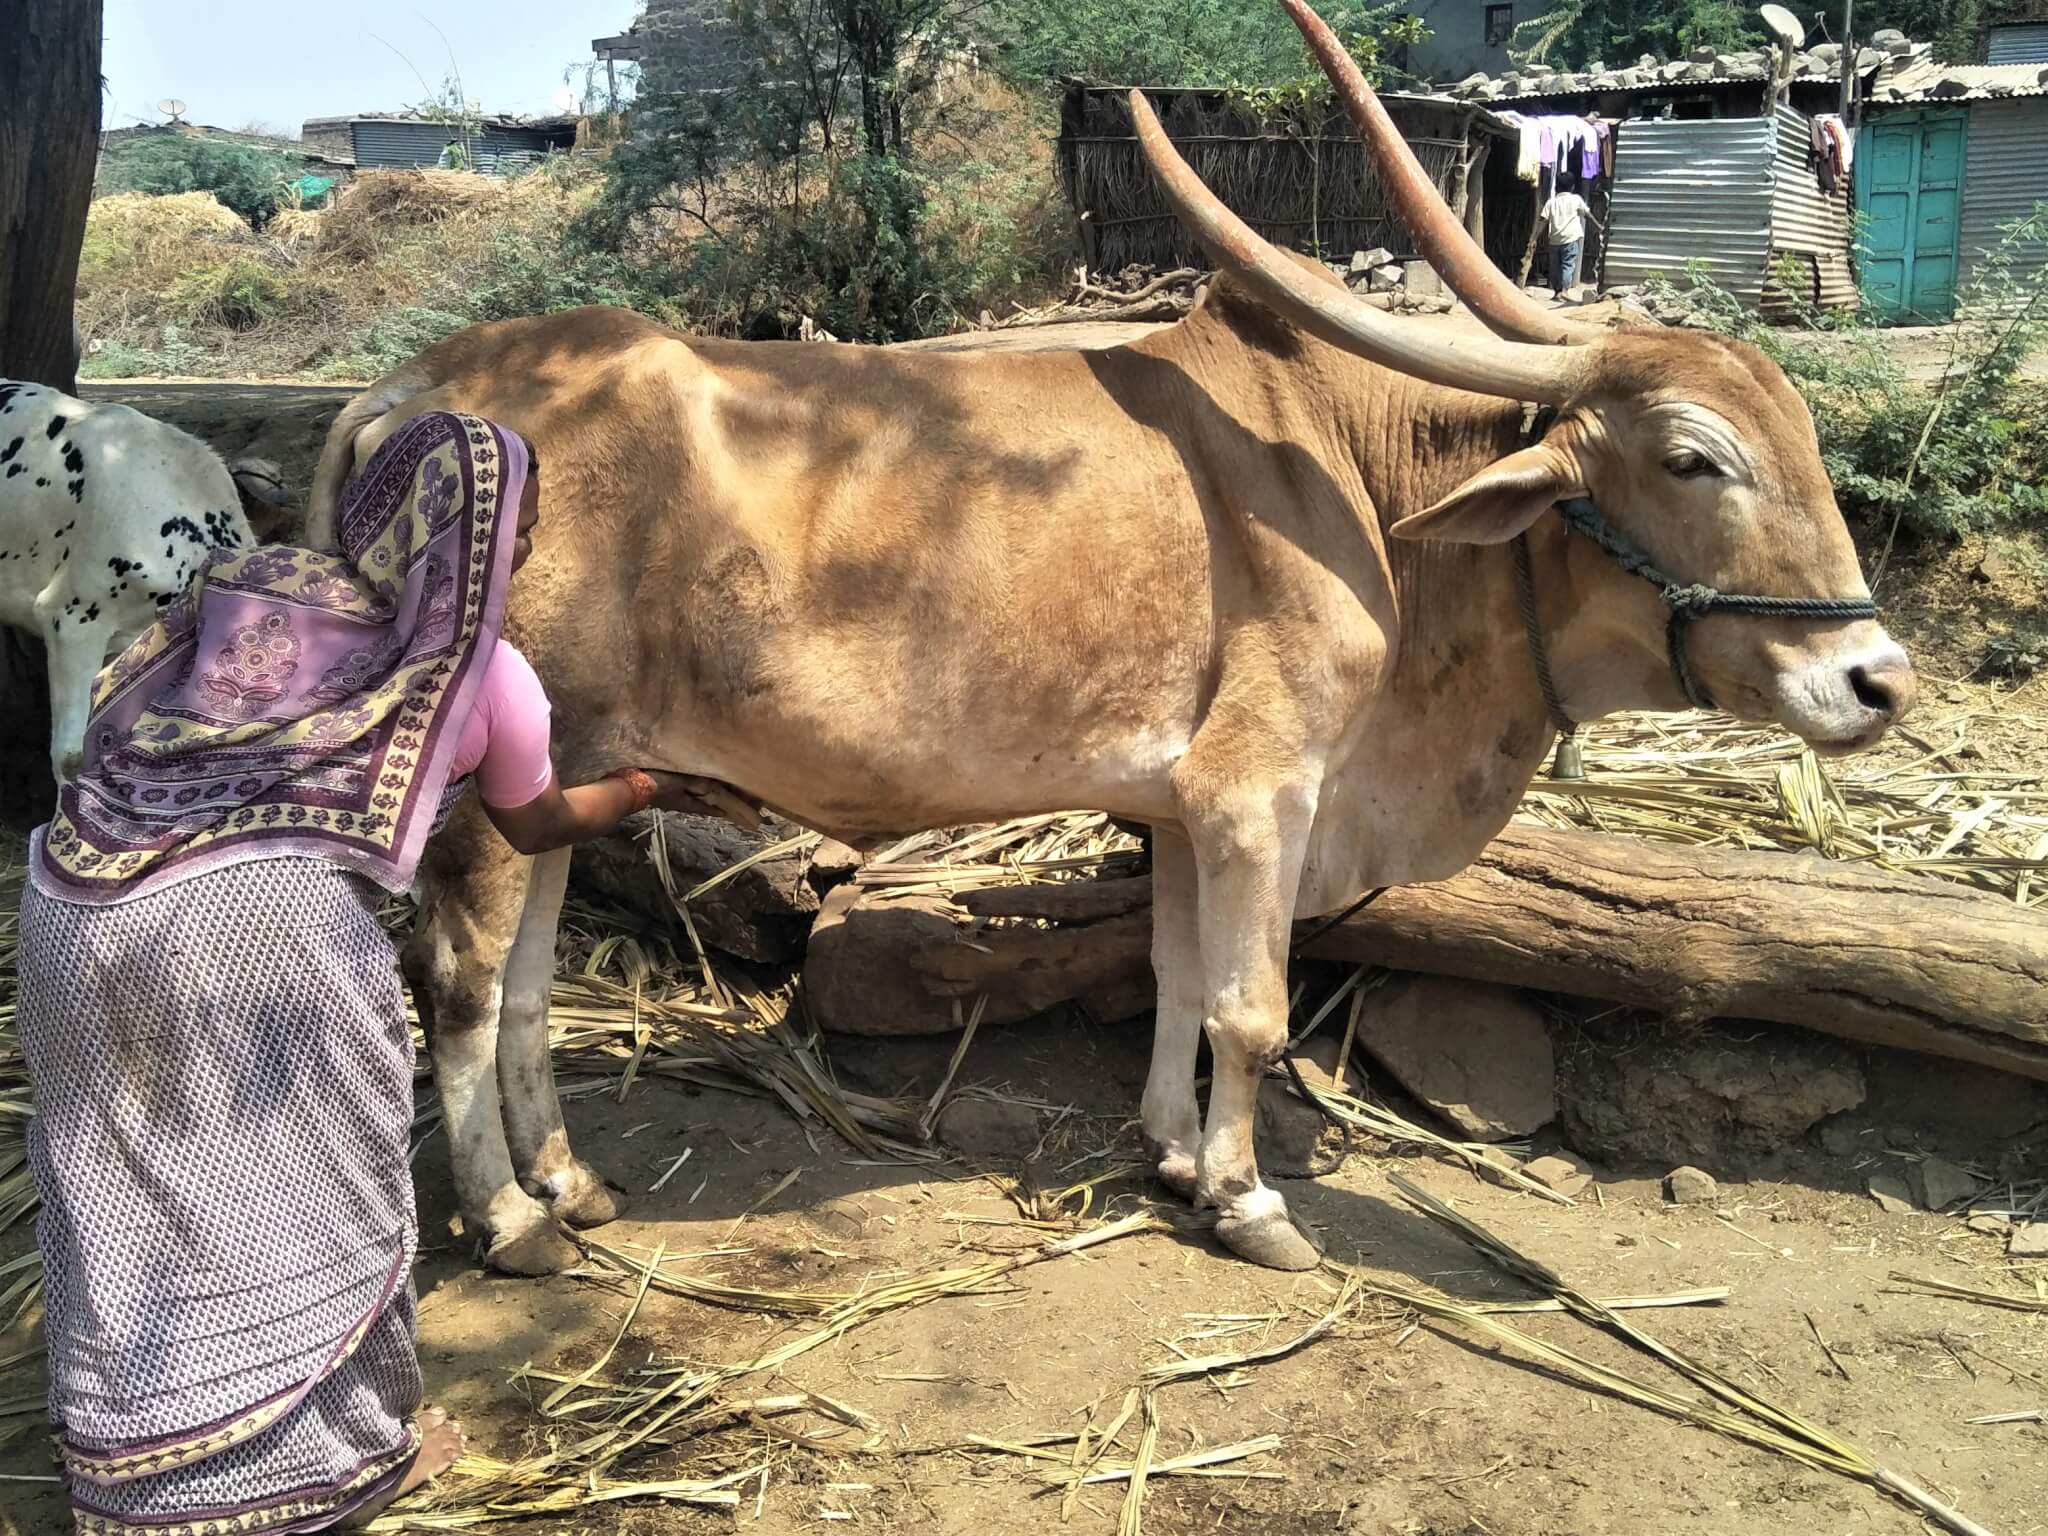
x,y
1506,310
1481,364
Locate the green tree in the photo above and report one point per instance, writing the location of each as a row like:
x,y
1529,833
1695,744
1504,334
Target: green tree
x,y
249,180
1179,42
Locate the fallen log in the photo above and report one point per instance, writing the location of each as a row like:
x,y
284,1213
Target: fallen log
x,y
1700,933
1693,933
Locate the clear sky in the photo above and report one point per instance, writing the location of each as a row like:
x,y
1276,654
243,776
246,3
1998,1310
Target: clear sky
x,y
278,62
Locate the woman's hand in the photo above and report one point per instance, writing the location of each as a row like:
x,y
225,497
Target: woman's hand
x,y
557,817
697,796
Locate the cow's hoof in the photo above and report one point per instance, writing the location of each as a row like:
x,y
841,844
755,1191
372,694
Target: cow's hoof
x,y
1177,1172
584,1200
1257,1227
541,1249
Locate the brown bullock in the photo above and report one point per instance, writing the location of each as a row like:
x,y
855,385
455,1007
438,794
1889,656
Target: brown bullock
x,y
1252,580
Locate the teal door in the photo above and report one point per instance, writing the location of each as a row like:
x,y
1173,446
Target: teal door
x,y
1909,186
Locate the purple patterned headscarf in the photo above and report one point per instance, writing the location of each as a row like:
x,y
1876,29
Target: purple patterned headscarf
x,y
300,703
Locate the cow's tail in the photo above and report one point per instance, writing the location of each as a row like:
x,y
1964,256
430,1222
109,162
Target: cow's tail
x,y
338,455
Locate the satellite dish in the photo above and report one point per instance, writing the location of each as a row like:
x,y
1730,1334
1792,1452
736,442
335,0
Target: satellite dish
x,y
172,106
1783,25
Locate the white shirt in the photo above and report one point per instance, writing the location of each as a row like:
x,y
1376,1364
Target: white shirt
x,y
1564,218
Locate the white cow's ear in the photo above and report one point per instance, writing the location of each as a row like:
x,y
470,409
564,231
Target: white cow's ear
x,y
1499,502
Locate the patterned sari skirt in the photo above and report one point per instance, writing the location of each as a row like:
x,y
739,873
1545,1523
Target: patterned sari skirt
x,y
223,1084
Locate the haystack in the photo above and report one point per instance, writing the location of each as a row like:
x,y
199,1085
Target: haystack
x,y
379,201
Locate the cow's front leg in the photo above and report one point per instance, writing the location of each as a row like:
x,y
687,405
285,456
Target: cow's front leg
x,y
73,650
1170,1115
534,1130
1249,844
473,890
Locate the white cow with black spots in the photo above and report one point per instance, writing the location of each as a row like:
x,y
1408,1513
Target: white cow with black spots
x,y
105,514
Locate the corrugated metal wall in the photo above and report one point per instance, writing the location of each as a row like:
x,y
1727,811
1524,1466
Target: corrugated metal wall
x,y
1692,190
2005,171
1735,194
2017,45
386,145
1808,223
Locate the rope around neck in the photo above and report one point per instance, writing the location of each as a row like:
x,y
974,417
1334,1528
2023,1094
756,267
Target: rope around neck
x,y
1687,602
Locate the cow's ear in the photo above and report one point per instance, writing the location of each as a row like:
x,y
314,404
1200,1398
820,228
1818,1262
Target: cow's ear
x,y
1500,501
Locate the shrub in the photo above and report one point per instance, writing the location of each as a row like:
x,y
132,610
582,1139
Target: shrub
x,y
249,180
240,293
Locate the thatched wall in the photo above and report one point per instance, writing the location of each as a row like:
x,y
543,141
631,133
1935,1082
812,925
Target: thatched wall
x,y
1301,179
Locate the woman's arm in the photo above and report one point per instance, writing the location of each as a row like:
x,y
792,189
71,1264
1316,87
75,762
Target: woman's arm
x,y
560,818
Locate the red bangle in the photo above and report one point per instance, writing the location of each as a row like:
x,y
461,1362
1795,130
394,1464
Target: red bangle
x,y
641,783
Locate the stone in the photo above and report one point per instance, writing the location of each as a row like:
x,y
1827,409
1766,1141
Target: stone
x,y
1295,1139
1372,260
1888,37
2029,1241
1690,1186
1647,61
1565,84
1868,59
1992,567
833,863
1476,1053
1949,87
1704,54
1943,1184
1890,1192
1472,82
1560,1172
993,1128
1420,277
1384,279
1606,80
1653,1093
1827,53
1990,1224
1675,70
1535,71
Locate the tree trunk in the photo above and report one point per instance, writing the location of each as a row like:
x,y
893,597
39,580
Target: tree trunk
x,y
1695,933
49,144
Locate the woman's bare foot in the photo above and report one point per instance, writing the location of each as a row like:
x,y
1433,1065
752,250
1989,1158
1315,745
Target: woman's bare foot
x,y
441,1441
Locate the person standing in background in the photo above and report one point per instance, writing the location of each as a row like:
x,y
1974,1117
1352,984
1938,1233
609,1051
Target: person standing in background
x,y
1565,217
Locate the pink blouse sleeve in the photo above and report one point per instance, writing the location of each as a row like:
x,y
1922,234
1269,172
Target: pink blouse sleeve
x,y
514,768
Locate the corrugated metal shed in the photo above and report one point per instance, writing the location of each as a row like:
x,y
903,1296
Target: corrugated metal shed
x,y
1733,194
403,144
1692,190
2026,44
1808,223
2005,171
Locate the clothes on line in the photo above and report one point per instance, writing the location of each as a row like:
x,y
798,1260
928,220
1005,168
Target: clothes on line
x,y
1578,146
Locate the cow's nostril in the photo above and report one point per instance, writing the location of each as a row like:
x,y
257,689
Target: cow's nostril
x,y
1872,691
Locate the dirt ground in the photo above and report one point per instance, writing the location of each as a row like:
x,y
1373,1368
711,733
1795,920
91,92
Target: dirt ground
x,y
1383,1427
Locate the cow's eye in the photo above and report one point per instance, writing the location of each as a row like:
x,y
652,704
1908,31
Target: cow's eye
x,y
1689,465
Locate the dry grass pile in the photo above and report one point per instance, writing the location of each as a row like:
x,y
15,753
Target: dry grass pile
x,y
1930,803
379,204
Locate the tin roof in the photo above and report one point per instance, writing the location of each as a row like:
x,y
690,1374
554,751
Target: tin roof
x,y
1928,81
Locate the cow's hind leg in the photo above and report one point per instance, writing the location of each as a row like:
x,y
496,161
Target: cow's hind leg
x,y
534,1130
473,891
1249,844
1171,1117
